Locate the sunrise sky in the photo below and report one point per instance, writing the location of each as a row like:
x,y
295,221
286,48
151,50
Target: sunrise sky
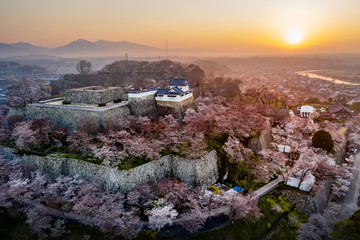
x,y
251,26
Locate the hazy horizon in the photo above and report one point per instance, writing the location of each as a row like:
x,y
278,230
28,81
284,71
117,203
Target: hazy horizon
x,y
257,27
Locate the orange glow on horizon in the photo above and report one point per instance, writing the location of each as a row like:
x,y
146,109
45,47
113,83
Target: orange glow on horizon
x,y
241,26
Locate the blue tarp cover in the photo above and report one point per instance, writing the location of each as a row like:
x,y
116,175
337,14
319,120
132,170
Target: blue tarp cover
x,y
238,189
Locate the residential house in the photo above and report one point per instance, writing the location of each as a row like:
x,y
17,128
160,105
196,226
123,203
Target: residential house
x,y
306,111
339,110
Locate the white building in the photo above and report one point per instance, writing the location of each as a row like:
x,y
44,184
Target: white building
x,y
135,95
305,185
178,92
180,83
306,111
291,113
284,148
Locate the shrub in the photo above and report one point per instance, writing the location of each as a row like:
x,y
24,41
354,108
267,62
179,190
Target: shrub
x,y
347,229
66,102
322,139
313,100
118,100
101,104
215,189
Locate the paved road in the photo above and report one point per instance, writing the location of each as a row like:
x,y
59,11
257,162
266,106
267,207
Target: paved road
x,y
267,188
353,194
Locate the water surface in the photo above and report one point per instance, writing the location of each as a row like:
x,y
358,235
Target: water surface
x,y
311,74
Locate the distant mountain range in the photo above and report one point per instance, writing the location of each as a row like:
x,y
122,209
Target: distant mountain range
x,y
81,48
101,48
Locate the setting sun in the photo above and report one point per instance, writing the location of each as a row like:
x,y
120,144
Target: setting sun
x,y
294,37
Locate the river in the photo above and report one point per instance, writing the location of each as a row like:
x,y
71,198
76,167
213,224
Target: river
x,y
311,74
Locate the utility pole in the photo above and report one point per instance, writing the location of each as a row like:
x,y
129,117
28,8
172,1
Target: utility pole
x,y
166,50
126,57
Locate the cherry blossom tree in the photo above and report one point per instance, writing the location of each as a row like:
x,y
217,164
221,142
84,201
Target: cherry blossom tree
x,y
81,141
306,164
243,207
39,194
170,132
197,147
214,116
280,114
26,91
58,228
4,129
161,216
319,225
175,192
193,220
234,149
39,221
116,145
342,182
141,197
24,136
143,83
272,164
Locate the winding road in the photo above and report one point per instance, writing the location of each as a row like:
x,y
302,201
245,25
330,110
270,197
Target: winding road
x,y
353,194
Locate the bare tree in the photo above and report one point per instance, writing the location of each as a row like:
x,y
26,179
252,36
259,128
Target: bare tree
x,y
84,67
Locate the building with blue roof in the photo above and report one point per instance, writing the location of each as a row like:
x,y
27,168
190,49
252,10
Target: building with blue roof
x,y
238,189
179,92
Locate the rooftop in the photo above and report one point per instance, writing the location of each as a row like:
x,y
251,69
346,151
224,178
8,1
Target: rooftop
x,y
338,107
179,82
172,91
58,103
94,89
307,108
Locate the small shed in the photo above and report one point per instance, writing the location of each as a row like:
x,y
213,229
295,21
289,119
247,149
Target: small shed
x,y
305,185
238,189
233,192
291,113
284,148
306,111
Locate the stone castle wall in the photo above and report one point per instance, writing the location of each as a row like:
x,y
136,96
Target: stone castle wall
x,y
202,172
69,116
175,104
308,203
262,142
94,94
145,106
340,154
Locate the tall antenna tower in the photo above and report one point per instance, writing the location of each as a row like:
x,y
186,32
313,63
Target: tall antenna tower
x,y
166,50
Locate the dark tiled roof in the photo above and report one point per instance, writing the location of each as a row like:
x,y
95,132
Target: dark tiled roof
x,y
177,90
162,91
179,82
172,91
338,107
